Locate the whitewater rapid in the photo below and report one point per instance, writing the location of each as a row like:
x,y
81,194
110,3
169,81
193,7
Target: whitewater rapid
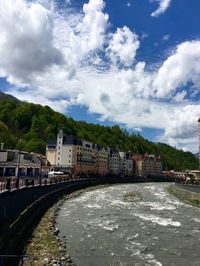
x,y
101,228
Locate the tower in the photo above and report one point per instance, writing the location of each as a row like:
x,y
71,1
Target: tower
x,y
199,139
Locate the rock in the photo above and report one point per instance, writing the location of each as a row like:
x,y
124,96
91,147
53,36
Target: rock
x,y
56,231
46,260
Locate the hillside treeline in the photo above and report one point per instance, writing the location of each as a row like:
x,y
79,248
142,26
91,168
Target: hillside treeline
x,y
27,126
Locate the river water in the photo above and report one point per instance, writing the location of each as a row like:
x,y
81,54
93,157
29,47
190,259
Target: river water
x,y
100,228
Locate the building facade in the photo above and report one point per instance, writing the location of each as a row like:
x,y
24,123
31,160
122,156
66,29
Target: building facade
x,y
19,164
147,165
84,158
113,162
125,164
102,161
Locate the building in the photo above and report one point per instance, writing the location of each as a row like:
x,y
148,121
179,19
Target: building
x,y
125,164
19,164
84,158
147,165
71,155
102,161
113,162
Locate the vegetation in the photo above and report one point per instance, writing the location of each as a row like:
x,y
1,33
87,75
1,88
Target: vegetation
x,y
28,126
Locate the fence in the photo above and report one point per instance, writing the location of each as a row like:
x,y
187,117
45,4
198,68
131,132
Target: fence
x,y
13,184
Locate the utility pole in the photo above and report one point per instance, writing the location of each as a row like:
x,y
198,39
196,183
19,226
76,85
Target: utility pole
x,y
199,139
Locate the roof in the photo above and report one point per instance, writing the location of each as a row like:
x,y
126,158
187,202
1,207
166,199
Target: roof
x,y
71,140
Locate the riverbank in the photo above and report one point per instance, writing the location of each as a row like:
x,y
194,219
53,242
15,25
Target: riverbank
x,y
45,247
183,195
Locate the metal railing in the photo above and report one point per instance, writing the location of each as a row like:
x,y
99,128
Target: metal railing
x,y
15,184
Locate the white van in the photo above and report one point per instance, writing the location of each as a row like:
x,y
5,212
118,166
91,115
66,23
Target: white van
x,y
55,173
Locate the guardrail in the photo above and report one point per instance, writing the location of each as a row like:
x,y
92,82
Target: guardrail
x,y
13,184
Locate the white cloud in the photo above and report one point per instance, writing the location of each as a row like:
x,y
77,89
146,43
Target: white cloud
x,y
92,27
166,37
123,46
181,67
163,6
26,42
62,58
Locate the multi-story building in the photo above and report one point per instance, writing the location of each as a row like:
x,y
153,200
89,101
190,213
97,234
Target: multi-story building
x,y
101,160
71,155
125,164
88,158
19,163
113,162
147,165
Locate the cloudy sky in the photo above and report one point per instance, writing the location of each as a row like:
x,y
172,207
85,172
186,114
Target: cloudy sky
x,y
135,63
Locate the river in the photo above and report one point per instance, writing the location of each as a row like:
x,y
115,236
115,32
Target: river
x,y
101,228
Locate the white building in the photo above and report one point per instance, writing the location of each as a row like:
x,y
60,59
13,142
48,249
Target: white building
x,y
125,164
71,155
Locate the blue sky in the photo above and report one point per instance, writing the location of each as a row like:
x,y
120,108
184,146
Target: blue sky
x,y
135,63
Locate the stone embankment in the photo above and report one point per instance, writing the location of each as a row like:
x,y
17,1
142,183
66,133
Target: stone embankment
x,y
188,193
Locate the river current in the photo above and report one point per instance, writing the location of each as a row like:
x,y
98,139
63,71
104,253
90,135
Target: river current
x,y
101,228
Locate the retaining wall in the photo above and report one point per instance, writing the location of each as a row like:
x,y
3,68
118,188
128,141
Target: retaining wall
x,y
188,192
21,210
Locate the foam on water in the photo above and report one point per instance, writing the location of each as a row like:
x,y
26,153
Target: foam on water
x,y
141,252
196,220
157,206
158,220
93,206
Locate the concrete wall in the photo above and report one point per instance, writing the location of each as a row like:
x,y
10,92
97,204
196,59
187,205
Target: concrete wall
x,y
189,187
187,192
22,209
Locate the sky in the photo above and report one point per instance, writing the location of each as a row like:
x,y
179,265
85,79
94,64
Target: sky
x,y
135,63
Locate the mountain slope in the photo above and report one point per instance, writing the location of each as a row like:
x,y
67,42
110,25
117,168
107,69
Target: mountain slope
x,y
28,126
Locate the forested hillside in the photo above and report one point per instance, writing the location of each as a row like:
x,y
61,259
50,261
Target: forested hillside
x,y
27,126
